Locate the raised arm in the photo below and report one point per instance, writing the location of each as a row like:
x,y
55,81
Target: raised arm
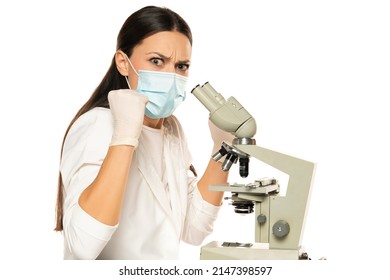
x,y
103,198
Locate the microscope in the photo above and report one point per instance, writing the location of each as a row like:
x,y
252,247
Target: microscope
x,y
279,220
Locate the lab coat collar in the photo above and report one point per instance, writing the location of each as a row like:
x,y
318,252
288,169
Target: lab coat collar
x,y
153,181
174,206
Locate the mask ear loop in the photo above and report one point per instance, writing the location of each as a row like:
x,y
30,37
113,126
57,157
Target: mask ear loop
x,y
131,64
127,81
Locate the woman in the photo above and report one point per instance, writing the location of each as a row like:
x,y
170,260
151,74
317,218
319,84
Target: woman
x,y
124,187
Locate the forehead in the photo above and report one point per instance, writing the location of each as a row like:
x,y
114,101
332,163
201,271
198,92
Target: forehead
x,y
167,43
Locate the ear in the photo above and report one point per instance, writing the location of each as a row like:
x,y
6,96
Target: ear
x,y
121,63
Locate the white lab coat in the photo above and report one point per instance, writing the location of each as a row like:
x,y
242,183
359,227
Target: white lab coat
x,y
154,219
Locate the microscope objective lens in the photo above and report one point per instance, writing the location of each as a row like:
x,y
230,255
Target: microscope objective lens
x,y
244,167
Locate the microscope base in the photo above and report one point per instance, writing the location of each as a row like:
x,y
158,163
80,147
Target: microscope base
x,y
258,251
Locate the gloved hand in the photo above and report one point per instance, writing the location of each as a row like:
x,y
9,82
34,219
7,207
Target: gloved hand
x,y
219,136
128,109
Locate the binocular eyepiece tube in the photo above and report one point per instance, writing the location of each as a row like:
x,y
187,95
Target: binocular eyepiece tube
x,y
230,116
208,96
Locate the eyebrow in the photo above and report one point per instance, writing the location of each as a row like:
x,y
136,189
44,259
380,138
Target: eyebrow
x,y
168,58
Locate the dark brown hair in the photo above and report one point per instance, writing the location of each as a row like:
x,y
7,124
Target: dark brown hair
x,y
138,26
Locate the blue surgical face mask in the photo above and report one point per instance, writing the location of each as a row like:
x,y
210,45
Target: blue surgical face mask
x,y
165,91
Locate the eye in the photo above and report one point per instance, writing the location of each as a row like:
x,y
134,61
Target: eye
x,y
157,61
183,67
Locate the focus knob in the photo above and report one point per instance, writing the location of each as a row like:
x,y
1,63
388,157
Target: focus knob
x,y
281,228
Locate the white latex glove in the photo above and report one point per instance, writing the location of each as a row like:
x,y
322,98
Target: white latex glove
x,y
128,109
219,136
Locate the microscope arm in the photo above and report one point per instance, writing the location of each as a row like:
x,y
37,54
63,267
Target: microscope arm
x,y
292,207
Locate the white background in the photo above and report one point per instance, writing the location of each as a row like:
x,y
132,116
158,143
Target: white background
x,y
314,74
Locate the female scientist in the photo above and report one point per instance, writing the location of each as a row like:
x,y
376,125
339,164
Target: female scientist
x,y
125,190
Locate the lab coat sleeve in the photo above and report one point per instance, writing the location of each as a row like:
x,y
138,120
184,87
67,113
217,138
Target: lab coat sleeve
x,y
200,217
85,148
